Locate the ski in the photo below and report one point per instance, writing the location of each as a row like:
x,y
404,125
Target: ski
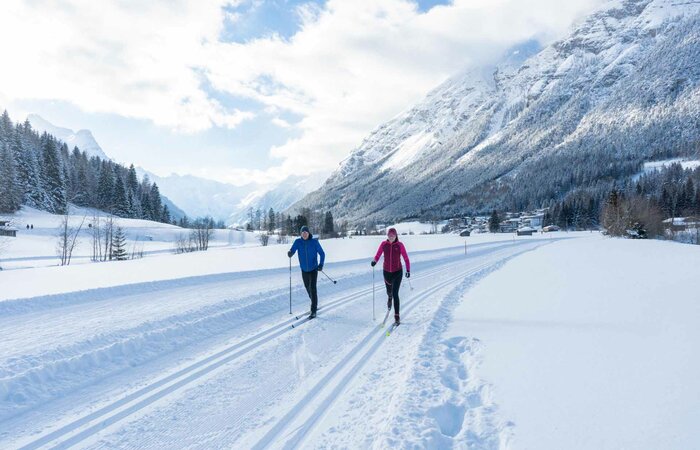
x,y
302,319
385,317
391,328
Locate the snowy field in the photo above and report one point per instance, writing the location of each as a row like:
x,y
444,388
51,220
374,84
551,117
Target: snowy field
x,y
37,247
562,340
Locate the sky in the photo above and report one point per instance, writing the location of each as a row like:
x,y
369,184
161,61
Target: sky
x,y
245,91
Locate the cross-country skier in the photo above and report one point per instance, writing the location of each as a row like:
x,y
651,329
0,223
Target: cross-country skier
x,y
309,249
393,251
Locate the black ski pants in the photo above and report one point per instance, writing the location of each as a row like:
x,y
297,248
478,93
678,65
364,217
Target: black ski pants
x,y
392,280
310,279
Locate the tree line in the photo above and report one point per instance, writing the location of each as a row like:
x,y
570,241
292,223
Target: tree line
x,y
321,223
635,207
40,171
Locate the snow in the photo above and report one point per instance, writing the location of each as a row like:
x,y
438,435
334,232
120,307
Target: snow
x,y
407,152
82,139
593,349
415,227
523,342
37,247
655,166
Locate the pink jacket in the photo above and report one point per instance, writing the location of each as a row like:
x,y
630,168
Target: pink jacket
x,y
392,255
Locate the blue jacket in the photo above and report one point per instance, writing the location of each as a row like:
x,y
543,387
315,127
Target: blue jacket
x,y
308,253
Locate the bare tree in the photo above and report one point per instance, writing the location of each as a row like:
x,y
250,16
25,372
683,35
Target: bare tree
x,y
201,233
137,249
282,237
67,239
184,244
96,233
108,234
264,238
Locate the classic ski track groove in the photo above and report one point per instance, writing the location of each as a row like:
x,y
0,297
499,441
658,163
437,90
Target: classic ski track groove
x,y
378,333
138,400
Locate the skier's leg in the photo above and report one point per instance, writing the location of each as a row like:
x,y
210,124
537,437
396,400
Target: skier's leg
x,y
307,281
396,285
313,278
389,291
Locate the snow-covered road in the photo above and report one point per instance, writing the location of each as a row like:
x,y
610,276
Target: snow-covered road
x,y
213,361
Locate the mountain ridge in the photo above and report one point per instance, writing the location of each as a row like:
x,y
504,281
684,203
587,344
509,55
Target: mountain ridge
x,y
531,134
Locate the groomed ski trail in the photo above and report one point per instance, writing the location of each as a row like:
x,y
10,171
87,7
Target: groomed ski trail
x,y
136,403
295,428
115,411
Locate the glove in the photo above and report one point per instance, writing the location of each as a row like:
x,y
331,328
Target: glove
x,y
373,263
408,274
289,254
320,268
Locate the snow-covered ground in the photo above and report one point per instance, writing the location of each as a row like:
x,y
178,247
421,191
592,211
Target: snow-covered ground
x,y
564,340
36,247
655,166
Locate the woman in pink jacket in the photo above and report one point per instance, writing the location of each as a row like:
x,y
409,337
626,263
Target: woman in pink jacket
x,y
393,251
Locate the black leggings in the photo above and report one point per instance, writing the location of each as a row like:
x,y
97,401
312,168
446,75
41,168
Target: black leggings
x,y
392,280
310,279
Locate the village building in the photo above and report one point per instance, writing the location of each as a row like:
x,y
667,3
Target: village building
x,y
6,229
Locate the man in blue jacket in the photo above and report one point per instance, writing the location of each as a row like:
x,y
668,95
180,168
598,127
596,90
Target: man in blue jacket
x,y
309,249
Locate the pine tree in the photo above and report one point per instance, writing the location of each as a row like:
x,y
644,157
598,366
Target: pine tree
x,y
271,223
494,222
132,190
165,216
27,167
10,189
52,176
145,197
156,203
119,245
328,224
105,188
119,199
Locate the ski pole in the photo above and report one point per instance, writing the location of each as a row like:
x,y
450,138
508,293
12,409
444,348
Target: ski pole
x,y
290,285
373,316
334,281
409,284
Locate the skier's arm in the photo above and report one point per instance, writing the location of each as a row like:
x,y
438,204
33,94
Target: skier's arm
x,y
322,253
405,257
379,252
293,250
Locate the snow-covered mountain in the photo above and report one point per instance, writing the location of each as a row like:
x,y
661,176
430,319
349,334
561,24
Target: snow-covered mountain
x,y
202,197
83,139
279,197
196,196
622,88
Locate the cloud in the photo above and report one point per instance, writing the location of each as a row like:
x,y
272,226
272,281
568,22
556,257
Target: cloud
x,y
135,59
348,68
354,65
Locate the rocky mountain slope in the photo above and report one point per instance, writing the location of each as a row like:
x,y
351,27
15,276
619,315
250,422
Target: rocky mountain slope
x,y
622,88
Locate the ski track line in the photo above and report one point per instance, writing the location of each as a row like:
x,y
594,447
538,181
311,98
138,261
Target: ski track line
x,y
142,336
302,431
116,411
11,306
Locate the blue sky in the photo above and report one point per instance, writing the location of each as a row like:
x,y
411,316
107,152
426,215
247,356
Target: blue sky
x,y
256,19
248,90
